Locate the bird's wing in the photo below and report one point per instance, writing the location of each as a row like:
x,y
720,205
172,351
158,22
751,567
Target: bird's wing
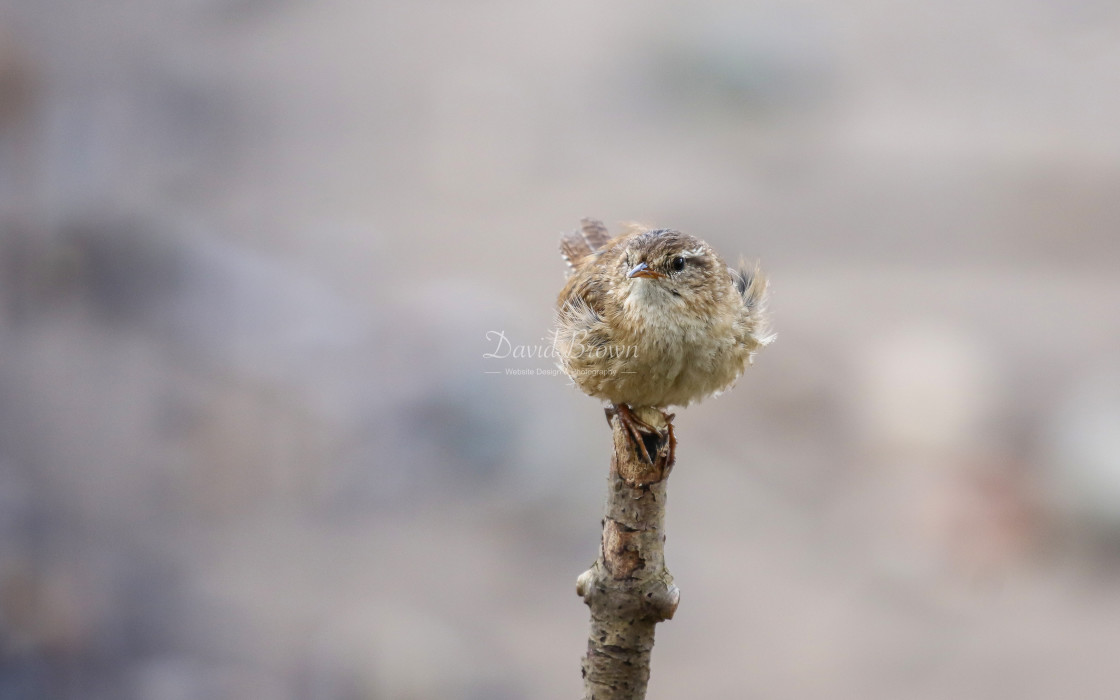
x,y
577,245
753,287
586,289
580,327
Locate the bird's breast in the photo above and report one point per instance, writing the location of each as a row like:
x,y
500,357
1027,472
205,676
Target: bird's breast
x,y
663,332
681,354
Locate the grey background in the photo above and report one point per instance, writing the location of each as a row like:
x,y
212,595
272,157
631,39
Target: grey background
x,y
251,251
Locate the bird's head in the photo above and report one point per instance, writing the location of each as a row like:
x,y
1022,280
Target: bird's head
x,y
669,267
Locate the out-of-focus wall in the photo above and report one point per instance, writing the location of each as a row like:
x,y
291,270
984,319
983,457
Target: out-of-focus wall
x,y
253,254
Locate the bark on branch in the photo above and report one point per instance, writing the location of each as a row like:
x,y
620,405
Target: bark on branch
x,y
628,589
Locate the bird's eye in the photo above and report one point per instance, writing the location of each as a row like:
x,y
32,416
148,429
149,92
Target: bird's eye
x,y
678,264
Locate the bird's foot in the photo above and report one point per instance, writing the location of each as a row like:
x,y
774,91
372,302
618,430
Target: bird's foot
x,y
671,458
643,436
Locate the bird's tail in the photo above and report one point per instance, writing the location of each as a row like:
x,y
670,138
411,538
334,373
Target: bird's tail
x,y
577,245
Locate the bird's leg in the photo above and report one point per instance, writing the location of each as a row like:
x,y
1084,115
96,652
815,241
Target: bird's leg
x,y
634,427
628,414
671,458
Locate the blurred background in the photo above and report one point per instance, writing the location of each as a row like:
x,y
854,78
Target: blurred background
x,y
251,251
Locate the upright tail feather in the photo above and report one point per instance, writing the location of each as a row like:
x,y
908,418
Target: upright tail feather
x,y
577,245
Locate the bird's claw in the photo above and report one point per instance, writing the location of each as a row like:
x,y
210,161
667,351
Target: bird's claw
x,y
637,429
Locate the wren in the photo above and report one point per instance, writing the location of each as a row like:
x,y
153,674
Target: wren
x,y
655,318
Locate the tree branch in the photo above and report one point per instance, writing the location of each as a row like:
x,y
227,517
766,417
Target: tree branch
x,y
628,589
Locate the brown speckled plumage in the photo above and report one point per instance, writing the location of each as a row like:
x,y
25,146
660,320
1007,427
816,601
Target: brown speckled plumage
x,y
681,328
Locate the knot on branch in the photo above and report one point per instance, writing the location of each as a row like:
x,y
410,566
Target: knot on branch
x,y
665,600
654,599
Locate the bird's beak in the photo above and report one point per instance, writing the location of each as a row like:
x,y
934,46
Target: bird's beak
x,y
642,270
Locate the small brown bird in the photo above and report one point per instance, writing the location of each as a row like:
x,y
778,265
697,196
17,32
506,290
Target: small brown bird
x,y
655,318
